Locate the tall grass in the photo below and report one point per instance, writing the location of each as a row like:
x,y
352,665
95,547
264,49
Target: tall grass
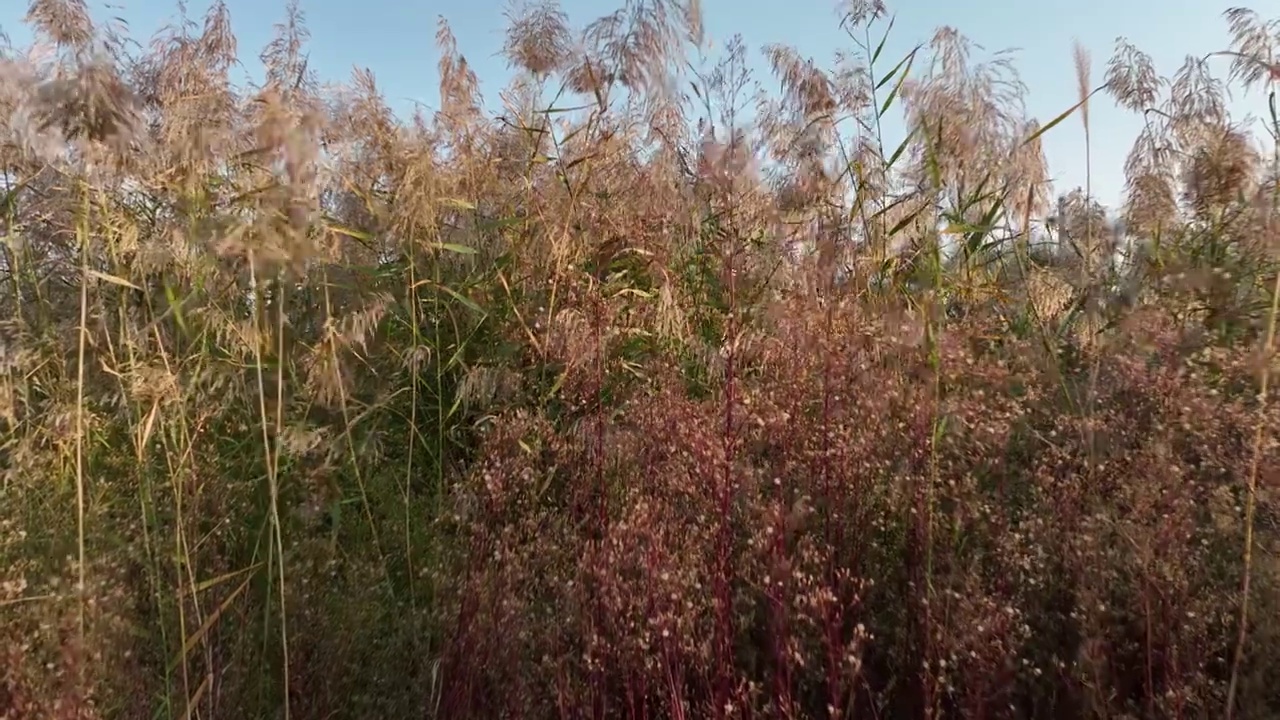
x,y
649,395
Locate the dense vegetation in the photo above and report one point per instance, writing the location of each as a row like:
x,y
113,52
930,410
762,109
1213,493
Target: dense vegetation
x,y
648,396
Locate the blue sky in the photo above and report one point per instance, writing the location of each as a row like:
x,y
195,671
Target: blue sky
x,y
396,41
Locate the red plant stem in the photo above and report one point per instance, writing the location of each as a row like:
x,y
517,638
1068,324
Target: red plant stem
x,y
778,605
723,594
597,681
834,615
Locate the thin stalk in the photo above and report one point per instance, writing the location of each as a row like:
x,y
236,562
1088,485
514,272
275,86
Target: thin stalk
x,y
82,233
273,480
